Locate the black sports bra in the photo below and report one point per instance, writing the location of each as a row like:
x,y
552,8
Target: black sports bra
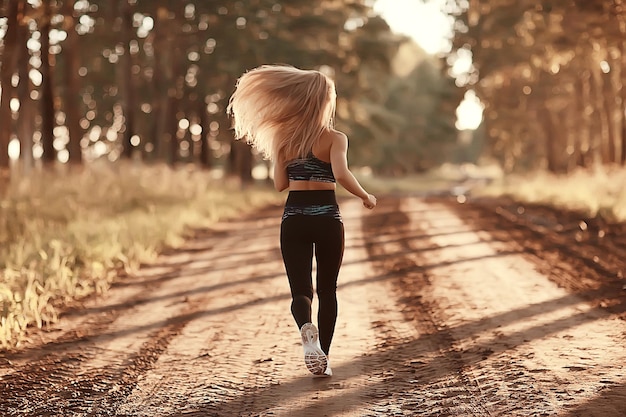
x,y
310,169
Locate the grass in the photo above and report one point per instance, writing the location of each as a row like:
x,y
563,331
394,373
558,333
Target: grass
x,y
599,192
64,236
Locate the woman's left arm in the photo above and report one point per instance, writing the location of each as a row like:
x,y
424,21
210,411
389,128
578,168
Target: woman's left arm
x,y
281,181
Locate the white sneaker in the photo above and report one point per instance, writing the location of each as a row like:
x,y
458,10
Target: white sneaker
x,y
314,357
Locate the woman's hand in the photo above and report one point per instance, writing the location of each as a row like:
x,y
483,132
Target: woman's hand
x,y
369,202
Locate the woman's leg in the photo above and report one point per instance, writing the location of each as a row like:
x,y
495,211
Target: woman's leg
x,y
329,246
297,249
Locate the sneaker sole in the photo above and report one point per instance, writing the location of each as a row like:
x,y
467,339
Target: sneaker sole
x,y
327,373
314,358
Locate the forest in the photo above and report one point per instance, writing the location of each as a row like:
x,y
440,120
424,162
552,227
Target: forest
x,y
551,75
151,79
83,80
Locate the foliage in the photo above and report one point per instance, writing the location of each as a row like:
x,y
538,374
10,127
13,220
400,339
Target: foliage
x,y
550,74
151,78
423,133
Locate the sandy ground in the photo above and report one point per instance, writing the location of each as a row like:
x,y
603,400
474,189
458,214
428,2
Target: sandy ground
x,y
445,309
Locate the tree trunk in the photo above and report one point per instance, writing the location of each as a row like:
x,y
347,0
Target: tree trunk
x,y
547,120
171,129
6,73
581,137
205,148
241,159
47,98
26,118
152,144
127,80
72,92
623,154
162,80
170,119
608,95
602,137
622,94
621,80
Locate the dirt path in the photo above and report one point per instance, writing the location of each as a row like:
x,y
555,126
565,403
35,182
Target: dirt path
x,y
445,310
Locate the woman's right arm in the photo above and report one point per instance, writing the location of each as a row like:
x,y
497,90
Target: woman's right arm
x,y
343,175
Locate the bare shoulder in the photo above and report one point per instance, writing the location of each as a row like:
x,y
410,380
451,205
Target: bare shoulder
x,y
338,134
337,138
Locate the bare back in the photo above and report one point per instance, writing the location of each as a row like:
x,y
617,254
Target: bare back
x,y
321,150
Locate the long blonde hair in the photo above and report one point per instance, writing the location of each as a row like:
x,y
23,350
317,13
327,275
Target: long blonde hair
x,y
282,110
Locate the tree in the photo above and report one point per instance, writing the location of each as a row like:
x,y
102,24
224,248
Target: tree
x,y
423,102
26,122
550,74
47,98
6,73
72,90
144,74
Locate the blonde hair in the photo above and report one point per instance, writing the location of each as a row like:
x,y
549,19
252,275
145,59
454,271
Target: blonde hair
x,y
282,110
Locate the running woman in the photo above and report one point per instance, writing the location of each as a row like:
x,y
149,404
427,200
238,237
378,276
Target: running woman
x,y
288,114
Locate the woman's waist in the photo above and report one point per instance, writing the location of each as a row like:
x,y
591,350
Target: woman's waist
x,y
311,186
302,198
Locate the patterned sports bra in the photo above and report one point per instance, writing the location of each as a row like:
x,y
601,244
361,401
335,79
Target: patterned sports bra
x,y
310,169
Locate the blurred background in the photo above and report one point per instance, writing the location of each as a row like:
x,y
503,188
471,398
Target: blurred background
x,y
525,84
150,80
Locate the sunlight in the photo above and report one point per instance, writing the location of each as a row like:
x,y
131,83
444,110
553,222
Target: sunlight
x,y
147,24
431,28
57,36
260,172
470,112
14,149
425,22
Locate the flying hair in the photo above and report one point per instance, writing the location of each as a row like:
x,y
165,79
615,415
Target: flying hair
x,y
282,110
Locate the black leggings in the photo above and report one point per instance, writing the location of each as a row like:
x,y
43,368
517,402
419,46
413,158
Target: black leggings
x,y
301,236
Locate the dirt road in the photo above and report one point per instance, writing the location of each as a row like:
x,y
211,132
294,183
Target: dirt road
x,y
445,310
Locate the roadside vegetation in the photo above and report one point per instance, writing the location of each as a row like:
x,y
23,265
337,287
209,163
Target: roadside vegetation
x,y
599,192
68,235
595,192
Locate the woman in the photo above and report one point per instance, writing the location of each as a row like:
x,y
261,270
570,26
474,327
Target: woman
x,y
288,114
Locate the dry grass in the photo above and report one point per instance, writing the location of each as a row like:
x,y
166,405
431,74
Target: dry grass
x,y
64,236
599,192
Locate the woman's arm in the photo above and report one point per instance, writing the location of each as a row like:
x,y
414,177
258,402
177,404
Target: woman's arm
x,y
281,181
343,175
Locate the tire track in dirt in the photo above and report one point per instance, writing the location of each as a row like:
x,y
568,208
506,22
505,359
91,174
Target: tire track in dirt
x,y
81,373
427,375
516,342
585,256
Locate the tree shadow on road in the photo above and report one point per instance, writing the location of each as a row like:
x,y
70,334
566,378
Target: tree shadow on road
x,y
410,367
391,370
610,402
